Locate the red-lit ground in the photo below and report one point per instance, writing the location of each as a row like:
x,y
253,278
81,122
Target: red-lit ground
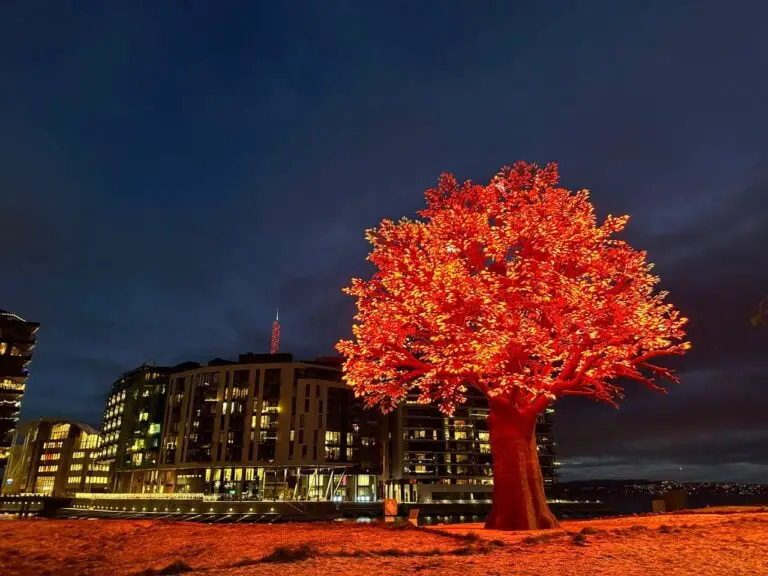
x,y
673,545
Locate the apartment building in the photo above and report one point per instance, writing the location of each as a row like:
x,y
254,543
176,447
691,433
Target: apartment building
x,y
54,457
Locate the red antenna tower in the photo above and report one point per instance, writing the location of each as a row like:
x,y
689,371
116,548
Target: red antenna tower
x,y
275,334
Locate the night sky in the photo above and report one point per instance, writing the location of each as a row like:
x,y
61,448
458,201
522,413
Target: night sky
x,y
172,172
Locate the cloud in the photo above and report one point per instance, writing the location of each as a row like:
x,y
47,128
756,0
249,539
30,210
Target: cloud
x,y
713,417
655,469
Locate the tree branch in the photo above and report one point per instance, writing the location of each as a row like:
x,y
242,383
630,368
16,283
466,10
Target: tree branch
x,y
479,386
413,374
661,372
637,377
655,354
584,392
538,405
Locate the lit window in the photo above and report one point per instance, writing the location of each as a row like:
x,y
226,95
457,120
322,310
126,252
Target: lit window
x,y
59,431
331,453
332,438
44,484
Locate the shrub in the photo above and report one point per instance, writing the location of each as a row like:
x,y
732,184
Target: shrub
x,y
580,539
287,554
468,537
498,543
546,537
176,567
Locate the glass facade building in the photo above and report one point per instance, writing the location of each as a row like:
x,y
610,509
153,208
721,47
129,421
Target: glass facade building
x,y
131,427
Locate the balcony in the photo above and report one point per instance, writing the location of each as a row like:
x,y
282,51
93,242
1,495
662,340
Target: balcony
x,y
14,366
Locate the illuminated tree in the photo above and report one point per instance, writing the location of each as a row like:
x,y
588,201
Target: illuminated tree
x,y
513,289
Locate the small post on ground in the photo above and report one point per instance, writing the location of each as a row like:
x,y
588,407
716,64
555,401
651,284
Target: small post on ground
x,y
390,509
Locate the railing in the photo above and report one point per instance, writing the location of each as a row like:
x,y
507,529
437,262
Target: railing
x,y
190,496
140,496
26,495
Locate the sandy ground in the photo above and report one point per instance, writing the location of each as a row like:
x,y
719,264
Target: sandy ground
x,y
726,543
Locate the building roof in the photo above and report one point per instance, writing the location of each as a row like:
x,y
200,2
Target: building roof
x,y
11,317
5,315
24,427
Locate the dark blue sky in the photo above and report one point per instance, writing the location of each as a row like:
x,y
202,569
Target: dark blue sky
x,y
171,172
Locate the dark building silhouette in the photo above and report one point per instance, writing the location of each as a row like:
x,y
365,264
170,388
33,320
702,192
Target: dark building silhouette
x,y
17,341
431,457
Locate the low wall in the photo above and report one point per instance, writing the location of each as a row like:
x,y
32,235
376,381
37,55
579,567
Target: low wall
x,y
198,508
203,508
33,505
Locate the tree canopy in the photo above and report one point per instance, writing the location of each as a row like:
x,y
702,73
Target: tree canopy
x,y
513,288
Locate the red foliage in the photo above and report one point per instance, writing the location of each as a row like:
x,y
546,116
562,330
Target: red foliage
x,y
514,289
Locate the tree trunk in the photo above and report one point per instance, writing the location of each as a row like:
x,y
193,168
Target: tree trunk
x,y
519,502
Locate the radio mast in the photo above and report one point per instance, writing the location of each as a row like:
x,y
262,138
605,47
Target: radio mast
x,y
275,347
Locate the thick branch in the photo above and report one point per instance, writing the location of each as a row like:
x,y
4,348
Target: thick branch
x,y
413,374
538,406
574,382
656,354
568,369
583,392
